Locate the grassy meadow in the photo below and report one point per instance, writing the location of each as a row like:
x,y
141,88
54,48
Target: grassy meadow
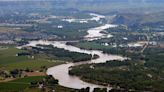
x,y
9,60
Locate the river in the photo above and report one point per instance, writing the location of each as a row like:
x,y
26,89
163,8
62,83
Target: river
x,y
95,33
60,72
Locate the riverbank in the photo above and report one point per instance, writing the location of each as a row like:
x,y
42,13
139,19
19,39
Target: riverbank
x,y
61,72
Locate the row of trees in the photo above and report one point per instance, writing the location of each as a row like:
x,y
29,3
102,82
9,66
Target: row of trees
x,y
62,54
94,90
128,75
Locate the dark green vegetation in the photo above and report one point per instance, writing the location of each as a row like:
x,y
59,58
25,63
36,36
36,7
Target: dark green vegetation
x,y
31,84
61,54
144,74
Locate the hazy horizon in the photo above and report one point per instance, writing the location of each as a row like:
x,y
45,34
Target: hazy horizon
x,y
87,5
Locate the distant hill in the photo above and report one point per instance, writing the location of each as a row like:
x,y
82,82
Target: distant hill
x,y
103,6
130,19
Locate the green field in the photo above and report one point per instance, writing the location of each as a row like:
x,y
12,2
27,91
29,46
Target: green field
x,y
9,60
19,84
23,85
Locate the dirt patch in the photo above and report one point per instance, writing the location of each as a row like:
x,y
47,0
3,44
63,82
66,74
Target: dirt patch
x,y
7,80
35,73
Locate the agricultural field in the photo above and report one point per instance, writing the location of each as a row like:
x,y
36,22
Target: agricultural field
x,y
23,84
9,60
8,29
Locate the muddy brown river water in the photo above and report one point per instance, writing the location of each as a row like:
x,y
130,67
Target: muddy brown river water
x,y
60,72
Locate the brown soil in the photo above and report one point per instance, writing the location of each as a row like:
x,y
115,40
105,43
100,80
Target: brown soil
x,y
35,73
